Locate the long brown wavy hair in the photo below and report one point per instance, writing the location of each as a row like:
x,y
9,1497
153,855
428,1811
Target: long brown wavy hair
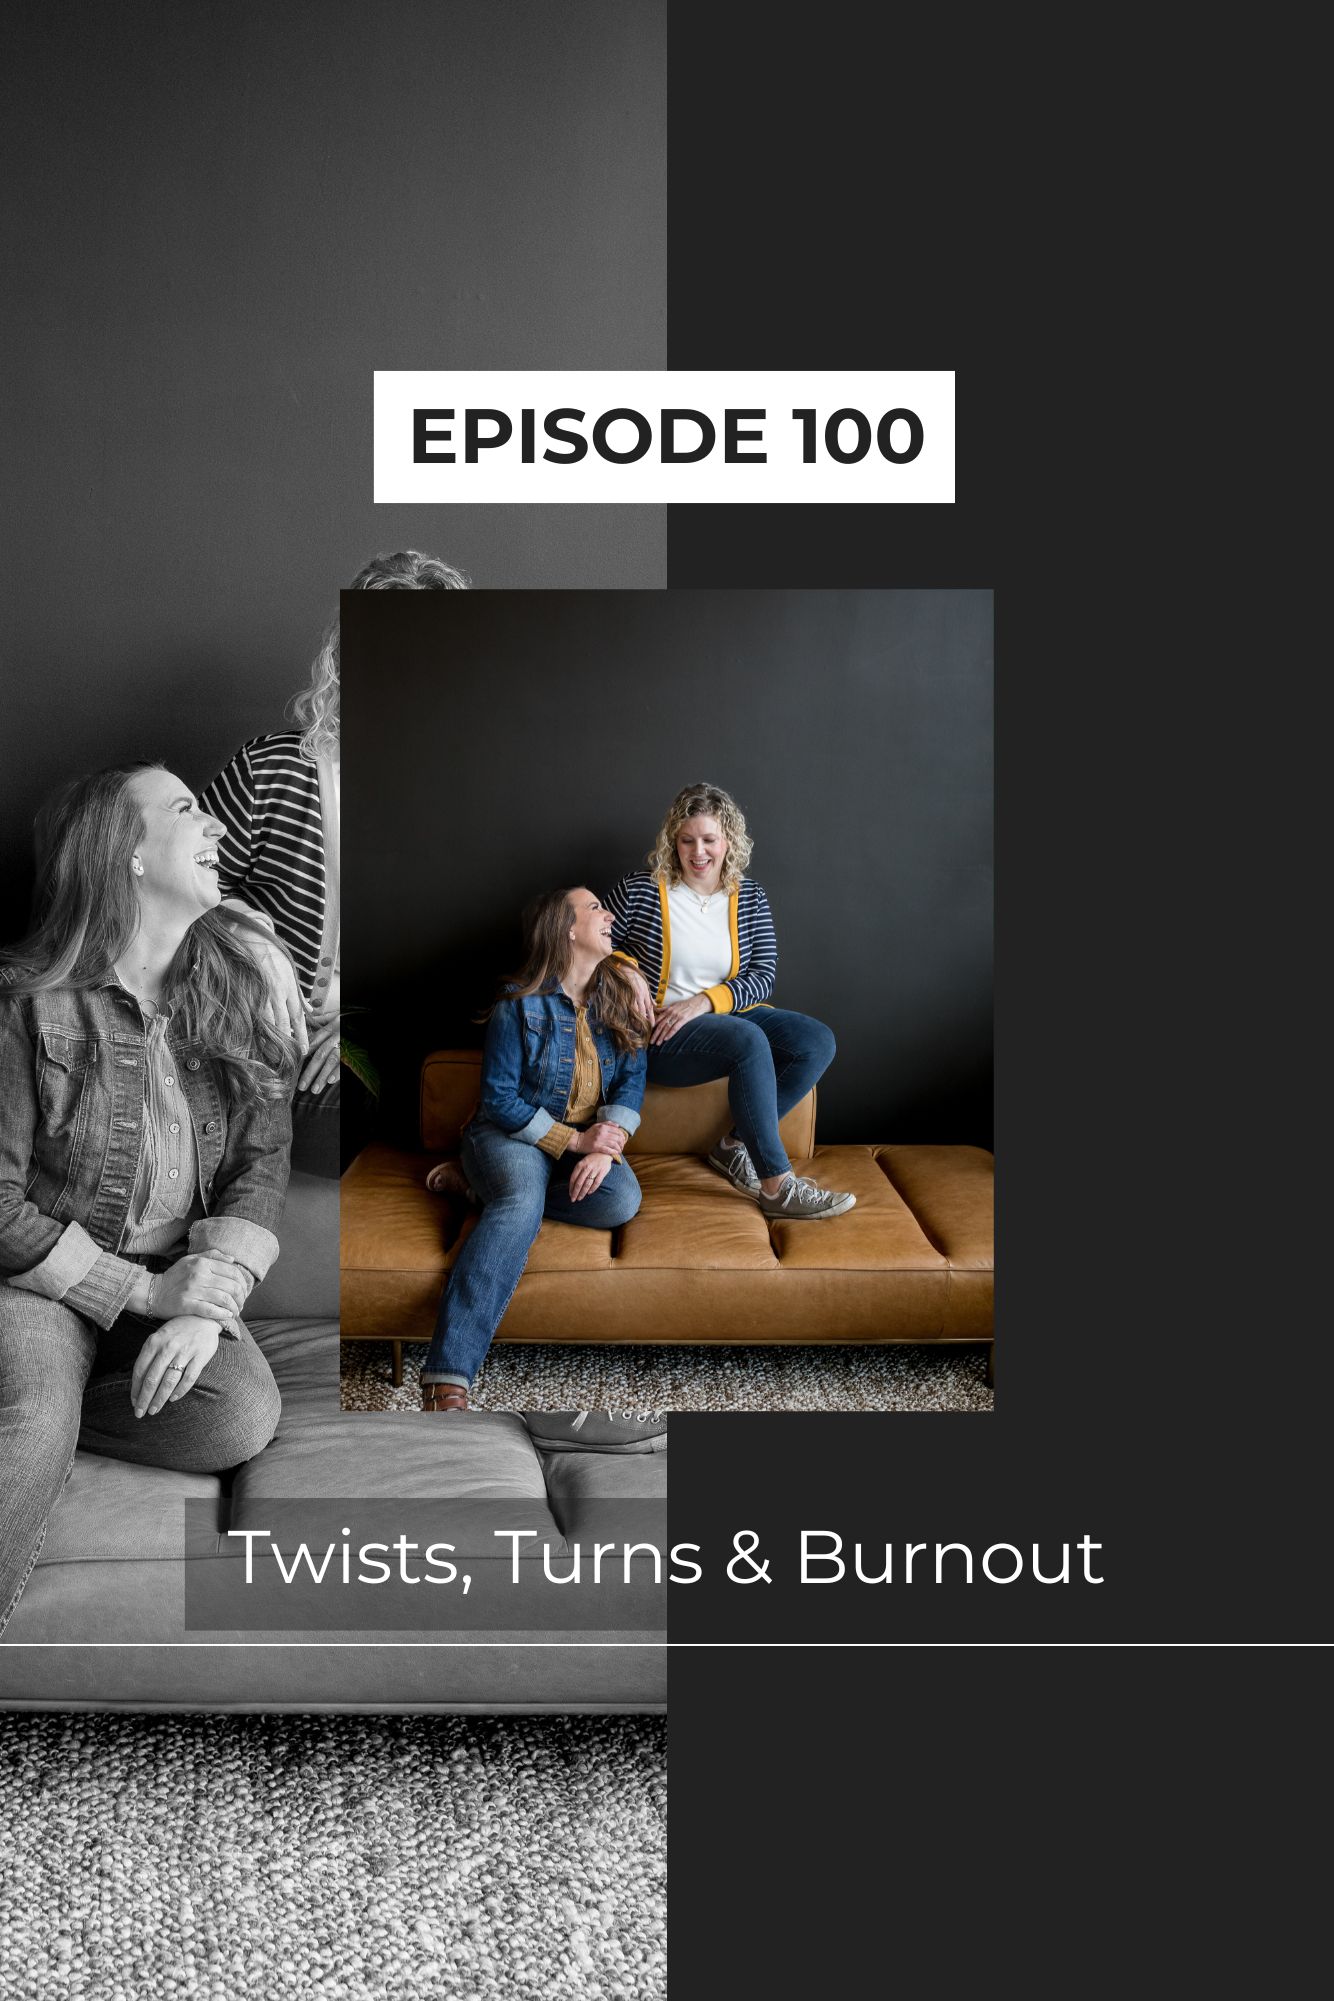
x,y
85,915
688,805
611,1000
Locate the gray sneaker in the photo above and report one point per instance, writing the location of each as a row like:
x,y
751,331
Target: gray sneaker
x,y
735,1162
596,1430
799,1198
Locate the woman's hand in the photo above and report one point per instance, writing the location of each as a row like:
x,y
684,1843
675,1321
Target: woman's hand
x,y
590,1172
601,1138
321,1065
213,1288
167,1366
674,1018
284,1008
643,992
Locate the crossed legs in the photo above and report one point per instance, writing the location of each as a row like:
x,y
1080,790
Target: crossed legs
x,y
64,1385
518,1185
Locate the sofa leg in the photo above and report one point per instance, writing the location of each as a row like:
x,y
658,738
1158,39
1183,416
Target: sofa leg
x,y
991,1365
398,1364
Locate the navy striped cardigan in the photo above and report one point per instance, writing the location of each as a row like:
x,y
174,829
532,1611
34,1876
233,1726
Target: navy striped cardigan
x,y
272,853
642,931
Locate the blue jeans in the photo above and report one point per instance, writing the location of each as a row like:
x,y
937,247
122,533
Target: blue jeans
x,y
518,1185
770,1059
64,1384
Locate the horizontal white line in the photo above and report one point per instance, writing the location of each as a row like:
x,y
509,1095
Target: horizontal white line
x,y
725,1646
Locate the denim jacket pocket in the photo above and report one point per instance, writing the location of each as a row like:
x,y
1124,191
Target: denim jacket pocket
x,y
64,1061
536,1041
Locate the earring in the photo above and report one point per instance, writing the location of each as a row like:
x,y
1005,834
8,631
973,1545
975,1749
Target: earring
x,y
137,865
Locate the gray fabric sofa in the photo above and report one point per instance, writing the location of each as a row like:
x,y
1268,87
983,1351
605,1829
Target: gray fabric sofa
x,y
111,1617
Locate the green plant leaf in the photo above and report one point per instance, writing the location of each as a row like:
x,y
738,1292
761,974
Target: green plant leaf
x,y
354,1058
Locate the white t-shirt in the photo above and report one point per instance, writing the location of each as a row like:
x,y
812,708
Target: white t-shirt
x,y
701,942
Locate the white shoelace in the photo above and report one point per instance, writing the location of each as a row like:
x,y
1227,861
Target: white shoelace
x,y
801,1193
618,1417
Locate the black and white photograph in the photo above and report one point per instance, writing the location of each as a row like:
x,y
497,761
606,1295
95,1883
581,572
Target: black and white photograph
x,y
220,221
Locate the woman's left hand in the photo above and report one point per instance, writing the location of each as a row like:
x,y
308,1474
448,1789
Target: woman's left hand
x,y
673,1018
590,1172
283,1005
642,991
167,1366
321,1066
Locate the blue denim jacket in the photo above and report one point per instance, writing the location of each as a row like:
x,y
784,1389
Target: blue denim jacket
x,y
528,1067
71,1131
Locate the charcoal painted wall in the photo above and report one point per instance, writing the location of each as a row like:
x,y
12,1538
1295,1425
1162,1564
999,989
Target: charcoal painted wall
x,y
500,743
219,220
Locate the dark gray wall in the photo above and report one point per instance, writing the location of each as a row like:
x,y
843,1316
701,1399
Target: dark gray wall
x,y
68,720
500,744
219,220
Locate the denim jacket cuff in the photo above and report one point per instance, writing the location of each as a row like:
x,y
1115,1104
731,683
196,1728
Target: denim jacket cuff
x,y
540,1123
249,1244
620,1115
76,1271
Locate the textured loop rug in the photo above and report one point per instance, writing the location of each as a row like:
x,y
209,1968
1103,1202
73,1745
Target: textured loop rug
x,y
489,1859
647,1380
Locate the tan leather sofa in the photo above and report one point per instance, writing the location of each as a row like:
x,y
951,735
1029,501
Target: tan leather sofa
x,y
912,1261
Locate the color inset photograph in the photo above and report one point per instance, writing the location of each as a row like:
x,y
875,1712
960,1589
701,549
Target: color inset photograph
x,y
667,992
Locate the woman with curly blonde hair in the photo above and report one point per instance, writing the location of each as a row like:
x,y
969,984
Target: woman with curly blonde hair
x,y
702,935
278,801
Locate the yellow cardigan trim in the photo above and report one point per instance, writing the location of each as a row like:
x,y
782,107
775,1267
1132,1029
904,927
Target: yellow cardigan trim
x,y
666,942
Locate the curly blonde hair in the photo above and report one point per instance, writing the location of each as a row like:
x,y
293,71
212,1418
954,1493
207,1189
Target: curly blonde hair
x,y
316,707
720,806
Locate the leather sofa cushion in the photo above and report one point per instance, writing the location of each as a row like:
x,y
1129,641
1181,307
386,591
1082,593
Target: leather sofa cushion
x,y
951,1192
303,1355
594,1496
487,1455
112,1511
390,1220
881,1234
684,1121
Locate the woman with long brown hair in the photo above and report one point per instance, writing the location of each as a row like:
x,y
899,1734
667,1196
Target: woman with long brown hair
x,y
144,1136
562,1083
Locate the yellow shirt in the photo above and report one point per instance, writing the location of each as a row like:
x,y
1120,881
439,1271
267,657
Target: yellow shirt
x,y
585,1088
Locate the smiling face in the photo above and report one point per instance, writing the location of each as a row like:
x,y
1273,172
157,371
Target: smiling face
x,y
701,849
177,853
590,934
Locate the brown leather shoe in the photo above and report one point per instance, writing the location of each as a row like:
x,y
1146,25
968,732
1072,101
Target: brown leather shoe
x,y
447,1178
444,1396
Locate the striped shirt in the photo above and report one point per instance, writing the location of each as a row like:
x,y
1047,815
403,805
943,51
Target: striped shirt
x,y
272,853
642,930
